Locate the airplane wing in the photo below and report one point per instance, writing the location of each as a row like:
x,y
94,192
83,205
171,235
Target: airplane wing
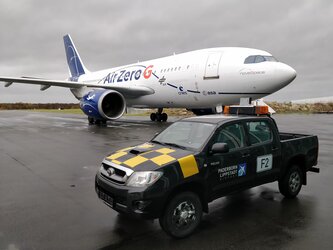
x,y
133,91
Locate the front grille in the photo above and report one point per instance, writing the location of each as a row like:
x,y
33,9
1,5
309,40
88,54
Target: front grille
x,y
115,173
114,180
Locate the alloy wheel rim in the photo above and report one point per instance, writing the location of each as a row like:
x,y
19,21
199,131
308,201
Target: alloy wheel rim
x,y
184,215
294,181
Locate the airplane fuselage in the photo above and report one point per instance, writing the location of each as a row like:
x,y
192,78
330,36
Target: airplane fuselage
x,y
202,81
198,79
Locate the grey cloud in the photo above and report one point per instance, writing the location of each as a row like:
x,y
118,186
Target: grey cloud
x,y
112,33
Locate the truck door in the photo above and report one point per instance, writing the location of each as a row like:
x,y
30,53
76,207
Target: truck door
x,y
263,149
229,169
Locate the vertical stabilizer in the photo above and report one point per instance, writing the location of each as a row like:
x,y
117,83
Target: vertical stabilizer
x,y
75,65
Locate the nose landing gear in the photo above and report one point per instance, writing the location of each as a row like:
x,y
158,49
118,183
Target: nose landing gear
x,y
159,116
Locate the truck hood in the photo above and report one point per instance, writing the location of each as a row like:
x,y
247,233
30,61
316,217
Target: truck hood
x,y
149,156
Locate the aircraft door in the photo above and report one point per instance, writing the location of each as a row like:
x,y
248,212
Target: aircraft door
x,y
212,66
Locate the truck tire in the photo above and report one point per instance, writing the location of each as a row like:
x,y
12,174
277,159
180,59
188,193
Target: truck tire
x,y
182,215
290,185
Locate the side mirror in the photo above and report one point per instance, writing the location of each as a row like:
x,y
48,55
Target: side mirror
x,y
220,148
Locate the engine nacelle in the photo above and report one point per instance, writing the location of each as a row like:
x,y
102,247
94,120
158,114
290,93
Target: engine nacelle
x,y
103,104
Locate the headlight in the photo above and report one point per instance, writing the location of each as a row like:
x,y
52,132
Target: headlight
x,y
144,178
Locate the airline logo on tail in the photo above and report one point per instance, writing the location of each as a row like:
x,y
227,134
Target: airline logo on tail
x,y
75,65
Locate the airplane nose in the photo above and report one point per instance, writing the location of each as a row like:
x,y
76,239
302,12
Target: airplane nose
x,y
286,73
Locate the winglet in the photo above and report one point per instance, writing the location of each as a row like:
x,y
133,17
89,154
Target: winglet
x,y
74,61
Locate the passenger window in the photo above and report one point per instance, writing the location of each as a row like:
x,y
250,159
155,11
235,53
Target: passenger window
x,y
233,135
259,132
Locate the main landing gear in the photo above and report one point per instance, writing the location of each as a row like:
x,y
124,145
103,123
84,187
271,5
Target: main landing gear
x,y
159,116
92,121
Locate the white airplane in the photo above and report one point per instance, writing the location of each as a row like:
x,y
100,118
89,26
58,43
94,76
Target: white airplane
x,y
202,81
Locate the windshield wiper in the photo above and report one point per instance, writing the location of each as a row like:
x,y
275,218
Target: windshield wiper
x,y
158,142
174,145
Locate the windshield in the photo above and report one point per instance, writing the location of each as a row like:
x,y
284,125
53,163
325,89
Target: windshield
x,y
259,59
190,135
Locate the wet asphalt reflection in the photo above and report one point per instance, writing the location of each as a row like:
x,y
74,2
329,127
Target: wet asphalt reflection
x,y
47,199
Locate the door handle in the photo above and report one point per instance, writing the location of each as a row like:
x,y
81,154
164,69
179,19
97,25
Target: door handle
x,y
245,155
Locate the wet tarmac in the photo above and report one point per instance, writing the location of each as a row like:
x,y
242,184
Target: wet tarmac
x,y
47,199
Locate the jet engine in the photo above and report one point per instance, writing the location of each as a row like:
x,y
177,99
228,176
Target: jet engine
x,y
103,104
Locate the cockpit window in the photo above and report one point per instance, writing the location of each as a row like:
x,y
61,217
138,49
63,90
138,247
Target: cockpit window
x,y
259,59
270,59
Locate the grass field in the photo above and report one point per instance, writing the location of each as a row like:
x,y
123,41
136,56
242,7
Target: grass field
x,y
60,111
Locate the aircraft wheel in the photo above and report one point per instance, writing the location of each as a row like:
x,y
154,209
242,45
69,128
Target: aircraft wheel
x,y
91,120
153,117
164,117
158,117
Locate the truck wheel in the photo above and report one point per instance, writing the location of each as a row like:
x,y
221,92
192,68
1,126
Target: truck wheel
x,y
182,215
291,183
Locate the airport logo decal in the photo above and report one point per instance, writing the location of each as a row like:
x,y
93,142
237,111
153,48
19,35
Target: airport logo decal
x,y
242,169
230,172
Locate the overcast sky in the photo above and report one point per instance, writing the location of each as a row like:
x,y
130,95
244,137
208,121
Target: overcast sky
x,y
112,33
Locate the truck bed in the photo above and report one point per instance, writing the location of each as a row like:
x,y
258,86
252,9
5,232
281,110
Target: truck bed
x,y
294,145
290,136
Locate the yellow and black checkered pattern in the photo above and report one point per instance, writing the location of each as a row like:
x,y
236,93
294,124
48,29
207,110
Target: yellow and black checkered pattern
x,y
157,155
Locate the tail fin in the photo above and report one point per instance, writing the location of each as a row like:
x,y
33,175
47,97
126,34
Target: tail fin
x,y
74,61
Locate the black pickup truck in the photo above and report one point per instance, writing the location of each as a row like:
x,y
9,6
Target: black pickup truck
x,y
174,176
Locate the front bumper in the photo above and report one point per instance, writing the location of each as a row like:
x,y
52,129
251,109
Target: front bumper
x,y
147,203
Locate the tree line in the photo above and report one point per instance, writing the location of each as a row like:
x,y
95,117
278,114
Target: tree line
x,y
20,105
